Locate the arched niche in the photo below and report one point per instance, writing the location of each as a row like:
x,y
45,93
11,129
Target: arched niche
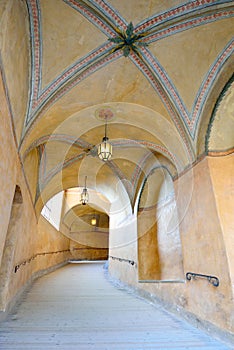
x,y
210,119
219,138
9,247
159,244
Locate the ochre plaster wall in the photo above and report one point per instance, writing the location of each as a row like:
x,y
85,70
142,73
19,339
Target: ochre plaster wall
x,y
37,250
26,237
20,227
82,252
148,255
221,171
49,240
169,242
159,244
122,249
14,47
94,239
203,251
8,167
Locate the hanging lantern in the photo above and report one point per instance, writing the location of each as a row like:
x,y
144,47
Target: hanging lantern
x,y
84,198
105,147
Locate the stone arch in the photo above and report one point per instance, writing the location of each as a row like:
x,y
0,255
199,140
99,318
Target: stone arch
x,y
159,244
216,95
9,247
219,134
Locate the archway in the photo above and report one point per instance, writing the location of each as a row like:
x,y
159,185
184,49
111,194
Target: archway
x,y
9,247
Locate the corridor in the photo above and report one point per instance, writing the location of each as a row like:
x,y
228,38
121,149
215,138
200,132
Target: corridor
x,y
76,308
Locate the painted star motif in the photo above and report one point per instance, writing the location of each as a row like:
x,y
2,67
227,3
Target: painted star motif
x,y
128,41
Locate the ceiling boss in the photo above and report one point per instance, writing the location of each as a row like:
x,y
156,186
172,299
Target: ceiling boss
x,y
128,41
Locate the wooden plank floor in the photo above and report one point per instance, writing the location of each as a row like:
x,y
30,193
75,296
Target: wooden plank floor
x,y
76,308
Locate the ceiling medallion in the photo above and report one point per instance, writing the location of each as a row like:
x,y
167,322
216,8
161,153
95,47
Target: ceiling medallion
x,y
128,41
105,114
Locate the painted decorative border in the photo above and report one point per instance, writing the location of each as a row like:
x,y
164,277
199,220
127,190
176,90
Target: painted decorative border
x,y
166,100
160,204
187,24
110,22
71,140
224,153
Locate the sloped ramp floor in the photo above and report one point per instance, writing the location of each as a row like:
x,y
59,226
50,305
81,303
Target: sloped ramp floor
x,y
76,308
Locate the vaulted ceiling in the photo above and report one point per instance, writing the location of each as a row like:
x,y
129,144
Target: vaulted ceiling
x,y
153,69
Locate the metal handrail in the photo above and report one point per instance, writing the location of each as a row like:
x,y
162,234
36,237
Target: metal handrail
x,y
131,262
211,279
28,261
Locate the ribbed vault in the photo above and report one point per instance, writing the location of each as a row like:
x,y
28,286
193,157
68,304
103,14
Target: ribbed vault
x,y
142,61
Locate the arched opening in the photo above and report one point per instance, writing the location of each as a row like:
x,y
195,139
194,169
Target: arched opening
x,y
220,99
88,229
159,244
86,226
9,247
219,134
